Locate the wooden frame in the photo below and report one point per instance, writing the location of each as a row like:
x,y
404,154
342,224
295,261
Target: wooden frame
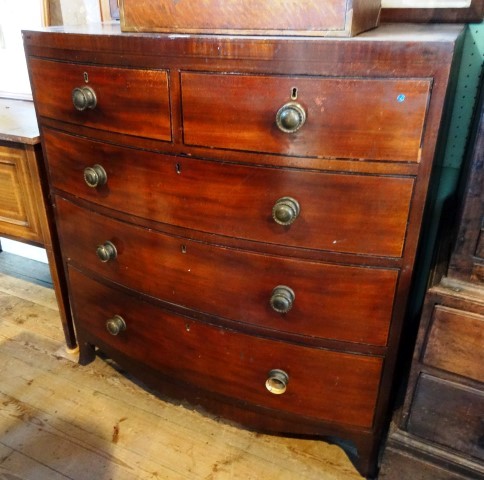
x,y
474,13
46,13
109,10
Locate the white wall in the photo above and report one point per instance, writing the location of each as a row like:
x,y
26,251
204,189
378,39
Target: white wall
x,y
24,250
80,12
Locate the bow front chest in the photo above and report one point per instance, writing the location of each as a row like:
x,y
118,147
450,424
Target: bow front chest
x,y
238,216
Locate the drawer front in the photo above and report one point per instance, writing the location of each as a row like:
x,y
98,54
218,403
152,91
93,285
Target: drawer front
x,y
449,414
455,342
322,384
379,119
331,301
128,101
365,214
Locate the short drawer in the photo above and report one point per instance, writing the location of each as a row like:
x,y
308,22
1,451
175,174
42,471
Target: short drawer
x,y
455,342
363,214
339,302
379,119
128,101
323,384
448,414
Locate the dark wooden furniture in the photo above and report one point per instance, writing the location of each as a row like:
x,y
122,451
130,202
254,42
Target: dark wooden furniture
x,y
467,259
254,17
441,428
24,212
239,217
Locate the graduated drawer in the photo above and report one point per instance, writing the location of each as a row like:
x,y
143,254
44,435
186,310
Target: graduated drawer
x,y
449,414
364,214
323,384
339,302
379,119
455,342
128,100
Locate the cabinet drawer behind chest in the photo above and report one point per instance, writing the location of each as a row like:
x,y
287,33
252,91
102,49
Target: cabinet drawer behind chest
x,y
379,119
456,420
322,384
363,214
121,100
340,302
455,342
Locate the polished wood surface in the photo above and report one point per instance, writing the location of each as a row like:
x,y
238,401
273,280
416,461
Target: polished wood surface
x,y
338,302
129,101
307,17
237,200
193,226
346,118
323,384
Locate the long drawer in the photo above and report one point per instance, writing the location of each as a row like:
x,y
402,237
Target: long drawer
x,y
455,420
346,303
323,384
364,214
127,100
379,119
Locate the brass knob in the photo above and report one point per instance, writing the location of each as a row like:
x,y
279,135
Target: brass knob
x,y
95,176
282,299
116,325
285,210
107,251
84,98
290,117
277,381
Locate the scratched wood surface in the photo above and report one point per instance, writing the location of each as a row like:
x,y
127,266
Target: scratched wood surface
x,y
61,421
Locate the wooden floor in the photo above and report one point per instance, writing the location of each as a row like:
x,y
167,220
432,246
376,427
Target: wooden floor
x,y
60,421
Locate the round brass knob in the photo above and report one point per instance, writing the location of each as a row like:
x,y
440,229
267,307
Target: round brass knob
x,y
290,117
116,325
277,381
285,210
95,176
84,98
107,251
282,299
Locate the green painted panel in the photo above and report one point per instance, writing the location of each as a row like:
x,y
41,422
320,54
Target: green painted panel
x,y
467,85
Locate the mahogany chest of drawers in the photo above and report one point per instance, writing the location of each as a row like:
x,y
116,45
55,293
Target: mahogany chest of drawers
x,y
239,216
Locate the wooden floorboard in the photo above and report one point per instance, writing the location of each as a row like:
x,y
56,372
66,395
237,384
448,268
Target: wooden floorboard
x,y
61,421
